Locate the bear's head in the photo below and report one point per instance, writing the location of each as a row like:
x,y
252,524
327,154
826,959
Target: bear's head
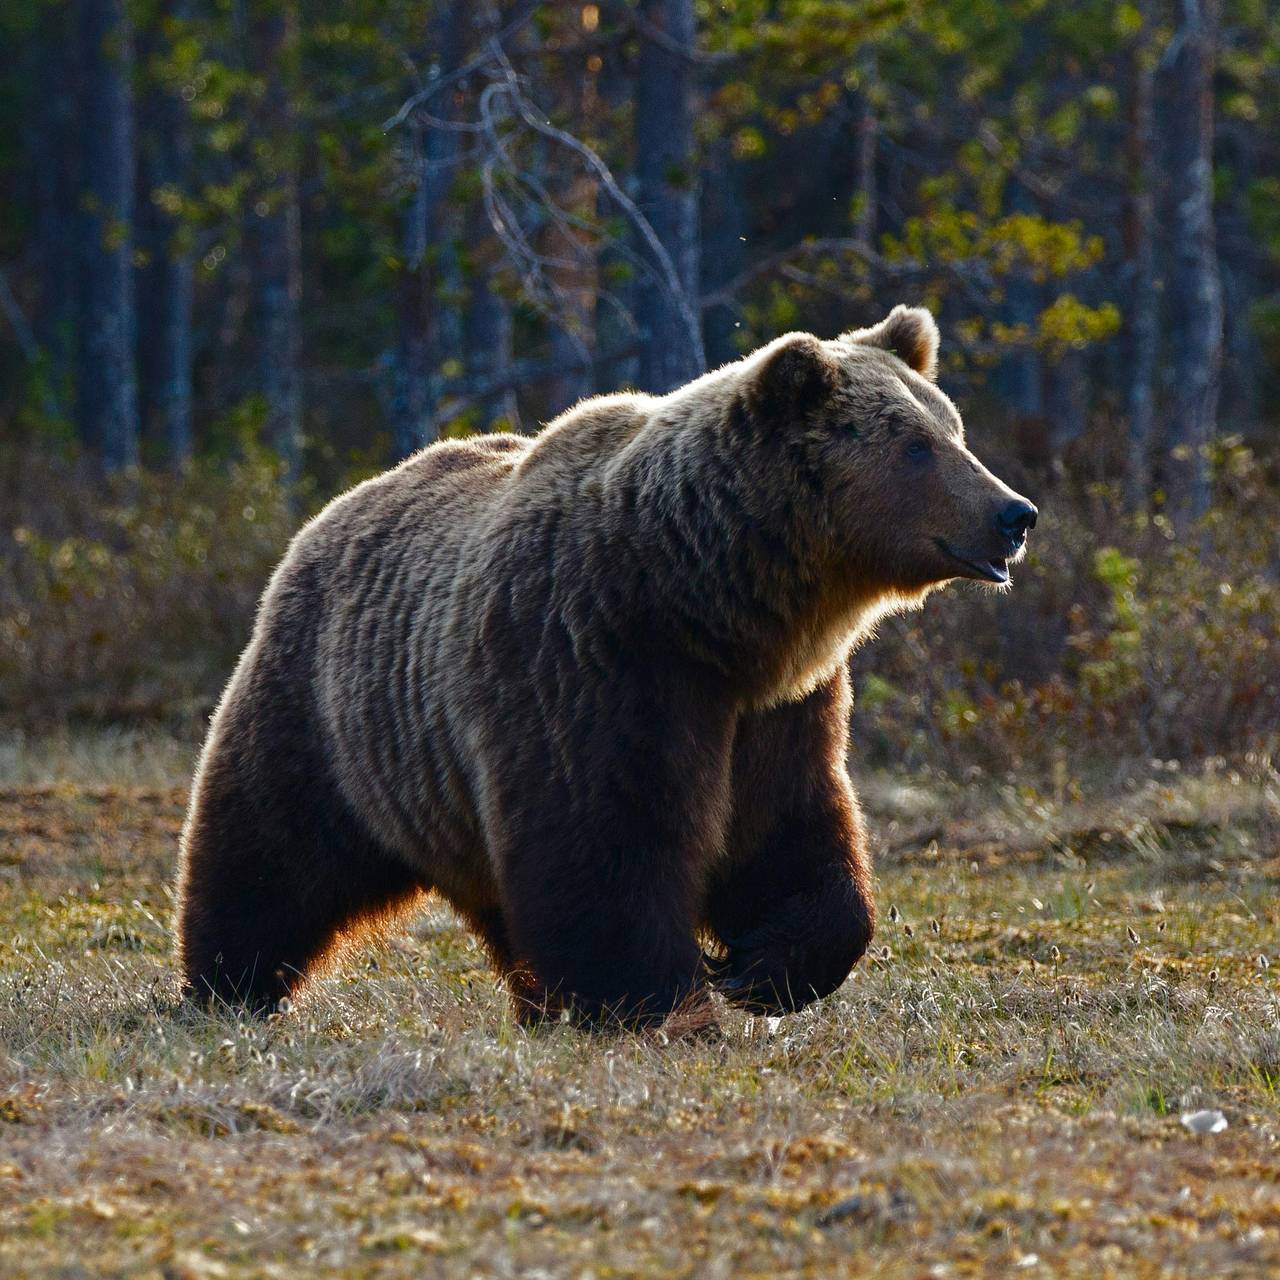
x,y
863,431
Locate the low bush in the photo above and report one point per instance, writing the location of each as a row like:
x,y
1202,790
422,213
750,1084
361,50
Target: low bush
x,y
130,599
1118,641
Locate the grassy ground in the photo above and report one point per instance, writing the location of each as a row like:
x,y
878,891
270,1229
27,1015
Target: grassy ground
x,y
997,1091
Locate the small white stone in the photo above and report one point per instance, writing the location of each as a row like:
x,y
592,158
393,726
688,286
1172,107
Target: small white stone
x,y
1204,1121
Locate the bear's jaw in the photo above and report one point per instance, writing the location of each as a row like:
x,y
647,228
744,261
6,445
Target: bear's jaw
x,y
991,569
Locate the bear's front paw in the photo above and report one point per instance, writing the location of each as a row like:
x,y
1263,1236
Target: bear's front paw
x,y
761,979
803,954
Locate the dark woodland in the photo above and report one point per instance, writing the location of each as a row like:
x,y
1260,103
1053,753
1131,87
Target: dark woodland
x,y
253,250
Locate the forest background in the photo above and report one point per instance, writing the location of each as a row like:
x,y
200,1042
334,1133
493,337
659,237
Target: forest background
x,y
253,250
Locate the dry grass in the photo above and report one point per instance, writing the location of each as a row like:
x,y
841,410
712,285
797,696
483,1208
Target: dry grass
x,y
997,1091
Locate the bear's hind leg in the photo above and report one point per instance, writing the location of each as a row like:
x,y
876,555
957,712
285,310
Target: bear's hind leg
x,y
267,887
490,927
626,955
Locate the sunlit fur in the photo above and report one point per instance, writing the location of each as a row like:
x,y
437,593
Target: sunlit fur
x,y
590,687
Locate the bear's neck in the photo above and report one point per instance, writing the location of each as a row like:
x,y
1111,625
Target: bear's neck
x,y
723,568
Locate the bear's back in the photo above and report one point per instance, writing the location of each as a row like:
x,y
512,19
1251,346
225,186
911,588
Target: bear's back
x,y
387,593
391,515
454,457
359,610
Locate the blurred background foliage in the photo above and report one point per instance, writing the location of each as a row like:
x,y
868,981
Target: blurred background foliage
x,y
251,251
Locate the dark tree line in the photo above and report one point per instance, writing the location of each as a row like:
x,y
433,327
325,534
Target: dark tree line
x,y
342,230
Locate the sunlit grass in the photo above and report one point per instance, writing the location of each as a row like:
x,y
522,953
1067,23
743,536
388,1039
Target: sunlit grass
x,y
998,1086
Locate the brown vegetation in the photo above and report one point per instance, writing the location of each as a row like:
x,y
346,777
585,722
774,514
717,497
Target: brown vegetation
x,y
135,606
998,1089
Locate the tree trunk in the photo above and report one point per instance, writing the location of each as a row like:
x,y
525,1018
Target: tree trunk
x,y
54,160
1243,360
1244,286
724,227
275,221
572,276
409,401
1195,290
167,280
428,321
1139,233
615,307
1022,368
492,348
868,129
1066,401
571,344
106,385
666,169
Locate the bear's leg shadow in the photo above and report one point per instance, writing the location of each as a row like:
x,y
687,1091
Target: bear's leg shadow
x,y
275,870
791,902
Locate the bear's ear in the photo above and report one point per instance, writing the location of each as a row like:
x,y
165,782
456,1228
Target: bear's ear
x,y
795,374
910,333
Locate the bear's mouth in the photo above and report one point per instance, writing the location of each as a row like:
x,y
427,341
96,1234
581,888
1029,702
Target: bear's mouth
x,y
982,569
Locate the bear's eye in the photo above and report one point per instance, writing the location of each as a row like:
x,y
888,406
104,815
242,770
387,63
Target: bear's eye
x,y
919,450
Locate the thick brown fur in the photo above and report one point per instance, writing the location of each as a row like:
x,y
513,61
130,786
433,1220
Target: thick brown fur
x,y
591,688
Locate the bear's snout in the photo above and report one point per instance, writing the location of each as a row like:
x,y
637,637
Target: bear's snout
x,y
1001,541
1014,519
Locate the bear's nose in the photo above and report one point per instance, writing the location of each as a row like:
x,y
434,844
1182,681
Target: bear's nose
x,y
1015,518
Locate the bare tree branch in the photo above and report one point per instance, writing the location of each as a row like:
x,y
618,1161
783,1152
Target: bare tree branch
x,y
667,275
972,274
444,80
518,204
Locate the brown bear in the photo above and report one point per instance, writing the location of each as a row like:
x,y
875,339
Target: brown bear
x,y
591,688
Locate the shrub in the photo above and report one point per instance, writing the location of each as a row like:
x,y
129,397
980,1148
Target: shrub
x,y
130,599
1117,641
